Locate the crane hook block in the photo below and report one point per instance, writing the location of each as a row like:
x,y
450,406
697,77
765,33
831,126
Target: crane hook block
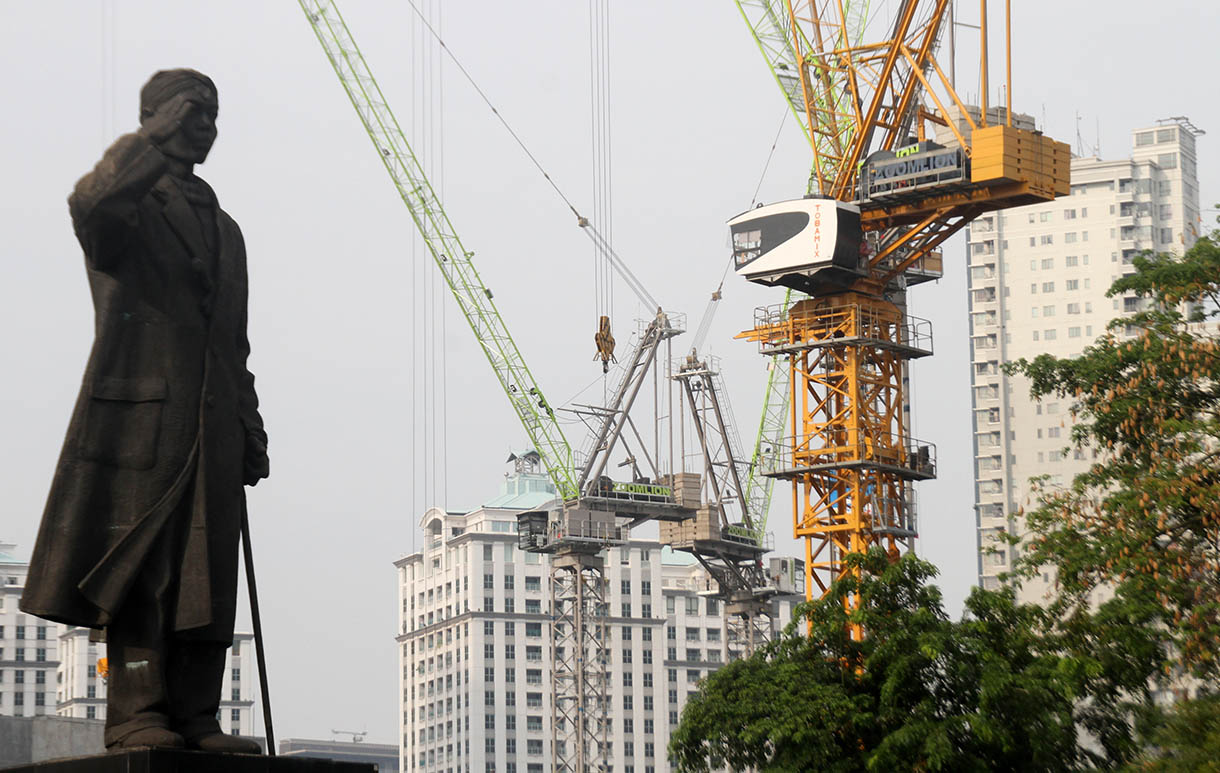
x,y
605,343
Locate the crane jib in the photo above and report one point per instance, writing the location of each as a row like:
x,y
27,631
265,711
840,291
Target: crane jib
x,y
472,296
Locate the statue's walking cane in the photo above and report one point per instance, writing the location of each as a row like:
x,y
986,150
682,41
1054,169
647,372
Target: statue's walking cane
x,y
258,630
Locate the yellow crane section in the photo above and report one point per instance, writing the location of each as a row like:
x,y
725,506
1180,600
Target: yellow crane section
x,y
901,163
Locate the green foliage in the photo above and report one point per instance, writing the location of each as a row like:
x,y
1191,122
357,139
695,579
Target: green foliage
x,y
1186,739
919,692
1145,519
1134,543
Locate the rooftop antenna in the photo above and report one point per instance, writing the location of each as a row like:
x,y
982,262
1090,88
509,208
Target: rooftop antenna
x,y
1079,139
1097,136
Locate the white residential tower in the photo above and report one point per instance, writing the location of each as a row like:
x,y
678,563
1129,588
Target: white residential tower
x,y
1038,277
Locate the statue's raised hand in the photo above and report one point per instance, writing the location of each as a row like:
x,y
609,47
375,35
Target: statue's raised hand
x,y
167,120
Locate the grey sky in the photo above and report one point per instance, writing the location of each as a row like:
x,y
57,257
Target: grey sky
x,y
337,275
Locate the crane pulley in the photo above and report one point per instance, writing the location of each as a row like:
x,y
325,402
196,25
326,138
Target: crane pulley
x,y
605,343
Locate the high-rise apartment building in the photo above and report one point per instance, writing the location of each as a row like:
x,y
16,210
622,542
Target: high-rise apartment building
x,y
475,649
1038,277
29,646
82,689
48,668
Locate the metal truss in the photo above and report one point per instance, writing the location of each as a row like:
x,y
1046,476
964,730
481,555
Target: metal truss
x,y
579,678
858,97
850,460
612,420
452,258
732,552
768,443
782,40
747,627
714,426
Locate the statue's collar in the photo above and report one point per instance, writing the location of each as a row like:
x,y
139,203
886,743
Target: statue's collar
x,y
177,211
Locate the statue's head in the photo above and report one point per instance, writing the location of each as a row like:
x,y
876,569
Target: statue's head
x,y
194,139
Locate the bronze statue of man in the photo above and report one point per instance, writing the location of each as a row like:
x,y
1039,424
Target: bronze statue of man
x,y
141,528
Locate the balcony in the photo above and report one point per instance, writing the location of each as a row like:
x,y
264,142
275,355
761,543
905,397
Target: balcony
x,y
990,488
986,416
982,249
990,463
987,392
984,342
989,440
984,295
984,319
981,275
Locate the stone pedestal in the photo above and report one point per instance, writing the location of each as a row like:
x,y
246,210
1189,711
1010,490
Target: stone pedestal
x,y
177,761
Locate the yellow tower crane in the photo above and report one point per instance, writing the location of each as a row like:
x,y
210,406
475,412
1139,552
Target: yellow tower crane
x,y
900,164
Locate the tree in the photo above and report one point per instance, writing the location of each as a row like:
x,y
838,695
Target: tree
x,y
1144,521
919,692
1134,542
1185,740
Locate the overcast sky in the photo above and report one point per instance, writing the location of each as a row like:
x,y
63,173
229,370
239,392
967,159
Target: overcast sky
x,y
349,355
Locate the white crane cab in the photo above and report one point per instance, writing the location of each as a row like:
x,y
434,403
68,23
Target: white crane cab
x,y
806,244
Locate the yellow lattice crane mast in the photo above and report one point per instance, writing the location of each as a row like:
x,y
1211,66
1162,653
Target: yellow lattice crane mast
x,y
899,165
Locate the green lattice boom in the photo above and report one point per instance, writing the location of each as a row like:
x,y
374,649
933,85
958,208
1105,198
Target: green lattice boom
x,y
771,27
452,258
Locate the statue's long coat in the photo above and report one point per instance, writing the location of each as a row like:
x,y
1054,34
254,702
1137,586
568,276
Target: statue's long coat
x,y
166,406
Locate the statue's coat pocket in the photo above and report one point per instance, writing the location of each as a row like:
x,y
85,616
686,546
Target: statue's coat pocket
x,y
122,421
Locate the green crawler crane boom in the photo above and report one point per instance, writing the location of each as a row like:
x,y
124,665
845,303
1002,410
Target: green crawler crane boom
x,y
452,258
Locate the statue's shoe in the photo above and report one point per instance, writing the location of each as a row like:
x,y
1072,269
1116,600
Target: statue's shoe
x,y
220,743
158,737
